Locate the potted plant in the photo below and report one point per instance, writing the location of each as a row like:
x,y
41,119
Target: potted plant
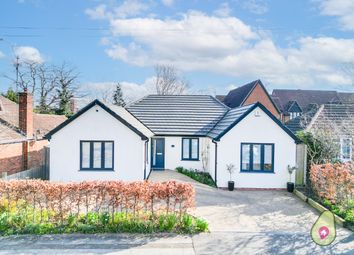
x,y
290,185
231,184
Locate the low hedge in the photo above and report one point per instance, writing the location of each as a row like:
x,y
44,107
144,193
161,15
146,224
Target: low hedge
x,y
199,176
42,207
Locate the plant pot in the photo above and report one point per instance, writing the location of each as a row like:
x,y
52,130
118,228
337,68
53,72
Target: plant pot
x,y
231,185
290,186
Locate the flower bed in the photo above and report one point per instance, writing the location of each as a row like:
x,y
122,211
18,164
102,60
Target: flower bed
x,y
332,186
201,177
41,207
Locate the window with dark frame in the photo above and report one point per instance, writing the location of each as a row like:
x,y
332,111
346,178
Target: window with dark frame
x,y
257,157
346,149
190,148
96,155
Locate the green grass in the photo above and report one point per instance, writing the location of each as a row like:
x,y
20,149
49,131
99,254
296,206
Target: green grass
x,y
11,224
346,212
24,219
201,177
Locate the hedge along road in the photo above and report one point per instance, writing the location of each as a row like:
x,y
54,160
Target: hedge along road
x,y
241,222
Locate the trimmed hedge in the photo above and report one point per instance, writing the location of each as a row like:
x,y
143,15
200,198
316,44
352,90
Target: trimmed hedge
x,y
199,176
40,207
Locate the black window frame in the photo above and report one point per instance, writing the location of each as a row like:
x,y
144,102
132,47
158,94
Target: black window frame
x,y
262,170
190,149
102,168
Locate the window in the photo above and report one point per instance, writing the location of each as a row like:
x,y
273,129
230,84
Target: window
x,y
96,155
257,157
190,148
346,149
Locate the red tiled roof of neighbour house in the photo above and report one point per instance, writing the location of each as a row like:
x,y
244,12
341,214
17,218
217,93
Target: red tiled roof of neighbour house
x,y
8,134
42,123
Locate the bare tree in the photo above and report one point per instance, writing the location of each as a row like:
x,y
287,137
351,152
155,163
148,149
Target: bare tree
x,y
25,75
48,82
168,81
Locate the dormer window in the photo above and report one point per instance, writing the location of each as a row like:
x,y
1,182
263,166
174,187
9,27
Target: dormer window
x,y
294,114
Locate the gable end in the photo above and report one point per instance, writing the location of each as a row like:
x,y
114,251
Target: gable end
x,y
85,109
265,110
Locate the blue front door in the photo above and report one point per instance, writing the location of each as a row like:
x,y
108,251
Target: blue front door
x,y
158,153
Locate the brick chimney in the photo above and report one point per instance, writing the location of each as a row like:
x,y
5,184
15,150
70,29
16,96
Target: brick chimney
x,y
73,108
26,113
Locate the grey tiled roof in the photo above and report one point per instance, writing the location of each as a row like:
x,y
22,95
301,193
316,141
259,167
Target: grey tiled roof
x,y
327,116
236,97
230,117
179,115
339,117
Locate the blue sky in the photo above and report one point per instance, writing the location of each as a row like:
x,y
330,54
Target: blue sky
x,y
217,45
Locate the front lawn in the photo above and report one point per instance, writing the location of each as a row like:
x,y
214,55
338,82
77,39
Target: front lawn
x,y
199,176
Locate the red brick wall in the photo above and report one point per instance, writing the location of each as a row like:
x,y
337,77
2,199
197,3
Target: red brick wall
x,y
259,95
11,156
36,155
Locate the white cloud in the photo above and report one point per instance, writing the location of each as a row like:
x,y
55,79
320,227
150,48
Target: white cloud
x,y
2,55
343,9
28,54
224,10
97,13
194,38
195,41
129,8
168,2
255,6
131,91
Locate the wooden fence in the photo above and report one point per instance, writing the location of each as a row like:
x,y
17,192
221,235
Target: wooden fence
x,y
33,173
301,162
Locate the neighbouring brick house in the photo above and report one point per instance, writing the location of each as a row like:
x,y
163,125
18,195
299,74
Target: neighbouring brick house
x,y
21,134
250,93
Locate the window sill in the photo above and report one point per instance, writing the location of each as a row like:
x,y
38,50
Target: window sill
x,y
258,172
96,170
190,160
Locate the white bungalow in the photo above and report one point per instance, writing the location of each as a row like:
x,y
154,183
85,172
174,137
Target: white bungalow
x,y
163,132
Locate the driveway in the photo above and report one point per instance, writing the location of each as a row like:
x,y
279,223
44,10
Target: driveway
x,y
256,222
241,222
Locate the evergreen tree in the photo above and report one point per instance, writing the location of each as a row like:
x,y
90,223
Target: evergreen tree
x,y
11,95
118,96
64,96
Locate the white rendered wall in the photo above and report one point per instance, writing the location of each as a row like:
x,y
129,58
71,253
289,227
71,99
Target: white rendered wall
x,y
254,129
173,153
96,125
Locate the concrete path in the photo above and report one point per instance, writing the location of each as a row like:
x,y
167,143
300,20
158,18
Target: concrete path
x,y
241,222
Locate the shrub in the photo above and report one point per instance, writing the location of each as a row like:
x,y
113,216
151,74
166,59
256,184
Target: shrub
x,y
199,176
34,206
333,182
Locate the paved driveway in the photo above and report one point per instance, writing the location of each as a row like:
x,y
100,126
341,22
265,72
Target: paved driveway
x,y
241,222
256,222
